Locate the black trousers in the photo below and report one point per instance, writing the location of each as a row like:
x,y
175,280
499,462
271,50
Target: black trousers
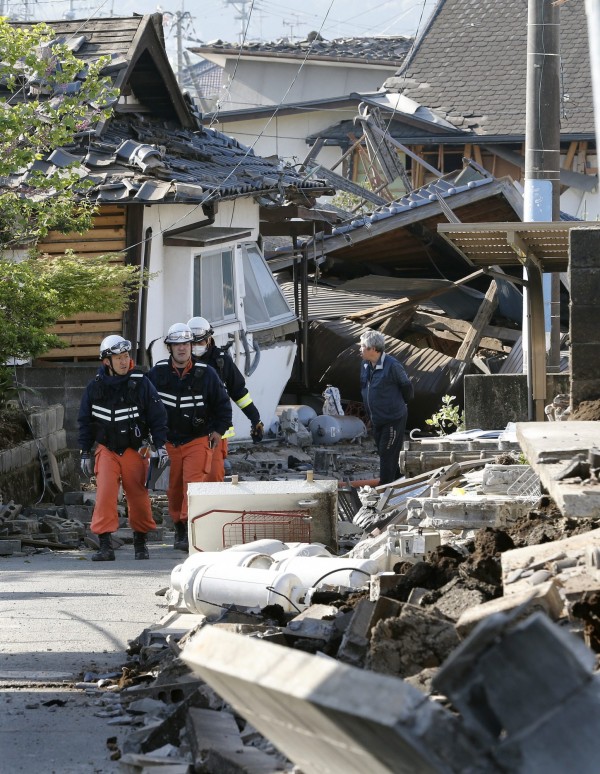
x,y
388,440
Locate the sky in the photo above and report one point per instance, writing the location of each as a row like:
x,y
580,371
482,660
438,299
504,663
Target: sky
x,y
204,21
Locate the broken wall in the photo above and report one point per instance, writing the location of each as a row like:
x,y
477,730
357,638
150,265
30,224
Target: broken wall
x,y
584,277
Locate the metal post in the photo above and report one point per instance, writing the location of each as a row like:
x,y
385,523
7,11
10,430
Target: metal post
x,y
592,10
542,176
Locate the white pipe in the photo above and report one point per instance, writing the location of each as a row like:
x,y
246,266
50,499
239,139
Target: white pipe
x,y
301,549
264,546
353,573
218,585
182,576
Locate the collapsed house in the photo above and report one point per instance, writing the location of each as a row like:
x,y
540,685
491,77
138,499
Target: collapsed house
x,y
182,202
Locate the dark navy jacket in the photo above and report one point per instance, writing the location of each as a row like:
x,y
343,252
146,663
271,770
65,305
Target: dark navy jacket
x,y
233,380
385,390
120,411
197,404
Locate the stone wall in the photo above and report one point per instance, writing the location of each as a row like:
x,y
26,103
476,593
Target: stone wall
x,y
60,383
494,400
39,469
584,275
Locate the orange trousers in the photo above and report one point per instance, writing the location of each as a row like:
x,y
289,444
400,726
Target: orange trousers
x,y
190,463
112,469
219,455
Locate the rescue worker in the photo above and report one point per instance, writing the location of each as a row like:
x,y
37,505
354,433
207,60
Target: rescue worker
x,y
119,409
205,350
198,411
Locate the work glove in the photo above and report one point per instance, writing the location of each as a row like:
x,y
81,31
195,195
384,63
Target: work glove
x,y
163,457
257,432
86,463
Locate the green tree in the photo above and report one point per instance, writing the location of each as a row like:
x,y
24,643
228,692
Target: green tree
x,y
51,100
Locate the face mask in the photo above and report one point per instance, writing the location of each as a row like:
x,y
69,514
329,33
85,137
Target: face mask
x,y
199,349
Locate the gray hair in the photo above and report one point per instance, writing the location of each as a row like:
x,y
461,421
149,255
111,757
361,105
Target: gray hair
x,y
373,339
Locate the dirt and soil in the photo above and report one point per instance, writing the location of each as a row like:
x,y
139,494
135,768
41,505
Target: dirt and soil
x,y
587,411
13,428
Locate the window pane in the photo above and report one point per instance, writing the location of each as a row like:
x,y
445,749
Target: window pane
x,y
214,291
272,297
228,287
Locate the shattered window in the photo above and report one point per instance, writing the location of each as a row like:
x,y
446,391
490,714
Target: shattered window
x,y
264,302
214,296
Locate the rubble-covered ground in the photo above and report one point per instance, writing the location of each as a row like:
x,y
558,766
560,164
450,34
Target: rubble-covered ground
x,y
409,630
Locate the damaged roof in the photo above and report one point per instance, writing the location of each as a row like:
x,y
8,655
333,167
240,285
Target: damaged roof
x,y
154,148
366,50
470,67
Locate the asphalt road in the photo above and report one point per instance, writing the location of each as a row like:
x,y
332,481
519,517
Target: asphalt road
x,y
62,615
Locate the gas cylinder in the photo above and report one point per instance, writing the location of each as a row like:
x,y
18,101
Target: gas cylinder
x,y
331,428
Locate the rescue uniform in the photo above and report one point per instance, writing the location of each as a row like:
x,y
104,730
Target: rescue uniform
x,y
197,404
118,413
235,385
385,389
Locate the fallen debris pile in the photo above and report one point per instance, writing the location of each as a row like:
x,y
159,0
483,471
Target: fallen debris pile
x,y
414,622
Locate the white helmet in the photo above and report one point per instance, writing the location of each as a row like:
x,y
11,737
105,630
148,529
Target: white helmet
x,y
200,328
179,333
114,345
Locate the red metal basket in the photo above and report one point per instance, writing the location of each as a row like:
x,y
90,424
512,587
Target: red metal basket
x,y
287,526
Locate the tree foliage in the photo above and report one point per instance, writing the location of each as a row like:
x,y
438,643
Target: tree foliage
x,y
52,98
38,291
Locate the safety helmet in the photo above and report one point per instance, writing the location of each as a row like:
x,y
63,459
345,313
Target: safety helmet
x,y
201,328
178,333
114,345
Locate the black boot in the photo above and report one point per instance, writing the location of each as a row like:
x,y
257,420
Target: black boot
x,y
105,553
139,546
181,536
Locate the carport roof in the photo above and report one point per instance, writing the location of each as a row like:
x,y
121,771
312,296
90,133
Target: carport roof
x,y
512,244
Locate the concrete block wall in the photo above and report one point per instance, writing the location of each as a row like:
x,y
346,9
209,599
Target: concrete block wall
x,y
59,384
584,276
47,427
494,400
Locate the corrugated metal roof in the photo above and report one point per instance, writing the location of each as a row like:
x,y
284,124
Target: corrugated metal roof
x,y
326,303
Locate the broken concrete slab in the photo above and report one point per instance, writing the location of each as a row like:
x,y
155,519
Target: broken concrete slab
x,y
355,642
548,446
545,597
326,716
570,561
466,511
518,684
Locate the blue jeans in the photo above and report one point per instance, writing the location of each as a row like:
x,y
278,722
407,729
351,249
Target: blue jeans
x,y
388,440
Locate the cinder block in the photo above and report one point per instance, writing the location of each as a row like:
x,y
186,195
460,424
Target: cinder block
x,y
545,597
584,248
8,547
209,730
585,359
522,670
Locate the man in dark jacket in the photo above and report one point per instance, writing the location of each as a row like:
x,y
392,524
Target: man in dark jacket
x,y
118,411
198,411
385,389
206,351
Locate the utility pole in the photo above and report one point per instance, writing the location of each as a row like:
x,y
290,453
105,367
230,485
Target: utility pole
x,y
592,10
542,186
177,20
242,15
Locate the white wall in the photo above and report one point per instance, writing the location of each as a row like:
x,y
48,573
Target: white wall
x,y
171,291
253,83
285,136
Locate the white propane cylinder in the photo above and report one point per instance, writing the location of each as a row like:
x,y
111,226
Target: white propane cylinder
x,y
328,429
182,572
305,413
218,585
353,573
263,546
301,549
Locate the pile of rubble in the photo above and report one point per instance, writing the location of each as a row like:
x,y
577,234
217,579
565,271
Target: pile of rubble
x,y
408,622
